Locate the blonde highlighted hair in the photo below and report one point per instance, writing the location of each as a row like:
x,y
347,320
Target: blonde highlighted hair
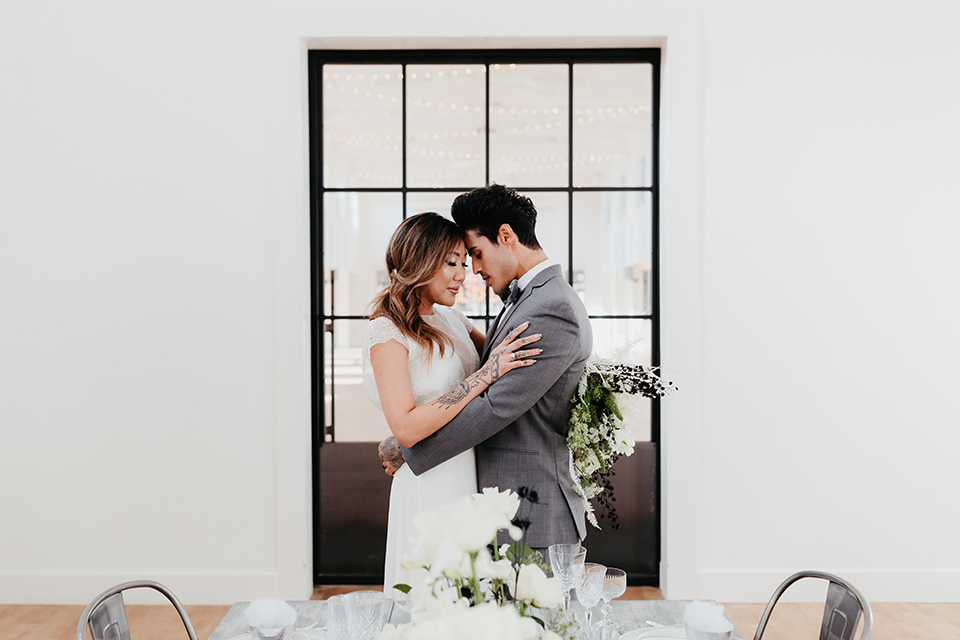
x,y
417,249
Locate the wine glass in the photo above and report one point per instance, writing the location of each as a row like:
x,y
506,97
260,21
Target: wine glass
x,y
563,560
590,586
614,586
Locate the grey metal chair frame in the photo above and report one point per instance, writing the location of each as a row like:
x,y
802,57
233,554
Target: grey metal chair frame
x,y
107,614
842,608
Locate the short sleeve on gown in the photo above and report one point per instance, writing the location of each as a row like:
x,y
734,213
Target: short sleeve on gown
x,y
382,330
464,319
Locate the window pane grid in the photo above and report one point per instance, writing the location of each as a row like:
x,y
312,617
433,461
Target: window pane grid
x,y
497,64
519,187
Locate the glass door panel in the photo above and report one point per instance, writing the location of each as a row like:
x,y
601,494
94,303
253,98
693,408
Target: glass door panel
x,y
355,417
528,124
445,125
362,126
356,230
612,125
396,133
613,254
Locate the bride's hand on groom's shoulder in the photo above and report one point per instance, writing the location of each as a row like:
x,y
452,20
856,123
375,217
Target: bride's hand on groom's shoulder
x,y
510,354
391,456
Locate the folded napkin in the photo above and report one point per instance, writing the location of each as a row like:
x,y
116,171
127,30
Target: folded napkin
x,y
270,613
706,616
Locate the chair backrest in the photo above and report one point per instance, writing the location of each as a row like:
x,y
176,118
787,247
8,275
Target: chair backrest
x,y
109,620
107,615
842,609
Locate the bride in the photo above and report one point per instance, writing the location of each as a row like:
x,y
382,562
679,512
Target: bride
x,y
420,366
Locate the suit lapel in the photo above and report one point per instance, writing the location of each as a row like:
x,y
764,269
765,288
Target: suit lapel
x,y
488,341
500,324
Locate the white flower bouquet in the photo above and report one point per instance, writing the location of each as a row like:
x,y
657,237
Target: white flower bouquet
x,y
473,588
599,429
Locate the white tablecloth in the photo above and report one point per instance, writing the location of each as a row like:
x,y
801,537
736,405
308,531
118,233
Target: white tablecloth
x,y
311,614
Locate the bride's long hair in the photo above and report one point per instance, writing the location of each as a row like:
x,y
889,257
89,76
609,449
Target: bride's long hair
x,y
417,250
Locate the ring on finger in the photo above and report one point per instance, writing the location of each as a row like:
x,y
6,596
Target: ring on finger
x,y
513,356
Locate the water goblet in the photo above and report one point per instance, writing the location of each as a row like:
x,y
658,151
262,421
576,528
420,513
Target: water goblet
x,y
614,586
590,586
365,614
563,559
337,618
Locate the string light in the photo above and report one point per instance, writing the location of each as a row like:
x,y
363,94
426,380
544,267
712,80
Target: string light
x,y
449,178
593,113
531,118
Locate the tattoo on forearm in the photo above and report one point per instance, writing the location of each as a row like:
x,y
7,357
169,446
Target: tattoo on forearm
x,y
488,373
390,452
494,369
453,396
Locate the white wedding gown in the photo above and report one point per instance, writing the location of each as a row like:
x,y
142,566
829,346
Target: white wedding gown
x,y
410,494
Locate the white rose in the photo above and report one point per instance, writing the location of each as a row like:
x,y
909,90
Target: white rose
x,y
446,536
435,600
534,587
624,448
530,628
435,542
588,463
501,569
506,502
478,520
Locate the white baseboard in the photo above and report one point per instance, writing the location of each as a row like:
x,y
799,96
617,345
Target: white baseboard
x,y
191,589
895,585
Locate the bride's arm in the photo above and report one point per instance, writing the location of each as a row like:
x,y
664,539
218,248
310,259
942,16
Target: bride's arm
x,y
409,423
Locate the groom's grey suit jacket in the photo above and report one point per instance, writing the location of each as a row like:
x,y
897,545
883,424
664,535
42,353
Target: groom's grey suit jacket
x,y
519,424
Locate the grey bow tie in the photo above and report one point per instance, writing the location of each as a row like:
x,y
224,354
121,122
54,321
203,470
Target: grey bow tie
x,y
511,293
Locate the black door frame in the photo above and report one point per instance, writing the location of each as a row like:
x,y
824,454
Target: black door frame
x,y
316,59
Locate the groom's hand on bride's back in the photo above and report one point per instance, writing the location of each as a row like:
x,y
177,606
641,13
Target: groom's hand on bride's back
x,y
391,457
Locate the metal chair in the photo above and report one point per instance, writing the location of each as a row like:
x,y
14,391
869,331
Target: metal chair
x,y
107,615
841,612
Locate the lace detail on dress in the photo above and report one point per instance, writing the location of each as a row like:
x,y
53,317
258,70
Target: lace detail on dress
x,y
431,375
467,324
382,330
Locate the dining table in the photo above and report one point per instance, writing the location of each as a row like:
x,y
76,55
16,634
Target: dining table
x,y
311,618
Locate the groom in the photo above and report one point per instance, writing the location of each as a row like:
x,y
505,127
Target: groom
x,y
518,426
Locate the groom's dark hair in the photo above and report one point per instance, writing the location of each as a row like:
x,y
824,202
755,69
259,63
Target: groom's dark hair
x,y
483,210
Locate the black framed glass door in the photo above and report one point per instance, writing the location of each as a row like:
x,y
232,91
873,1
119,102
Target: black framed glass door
x,y
395,133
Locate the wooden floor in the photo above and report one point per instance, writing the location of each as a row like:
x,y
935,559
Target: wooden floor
x,y
892,621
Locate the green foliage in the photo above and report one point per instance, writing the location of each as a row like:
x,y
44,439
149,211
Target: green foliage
x,y
519,553
598,436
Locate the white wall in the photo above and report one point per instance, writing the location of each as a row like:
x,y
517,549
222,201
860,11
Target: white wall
x,y
154,375
830,283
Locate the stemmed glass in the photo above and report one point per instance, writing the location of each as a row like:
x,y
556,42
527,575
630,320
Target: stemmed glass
x,y
614,586
590,586
564,558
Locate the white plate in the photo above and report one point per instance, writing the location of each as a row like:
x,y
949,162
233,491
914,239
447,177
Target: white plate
x,y
656,633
